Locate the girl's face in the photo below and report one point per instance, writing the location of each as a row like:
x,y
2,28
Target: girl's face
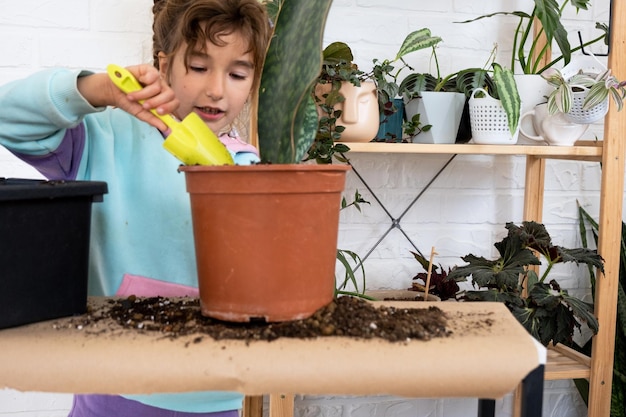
x,y
217,84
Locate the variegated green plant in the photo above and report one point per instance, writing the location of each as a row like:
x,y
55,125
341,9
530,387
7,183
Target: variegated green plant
x,y
599,86
503,88
287,115
507,93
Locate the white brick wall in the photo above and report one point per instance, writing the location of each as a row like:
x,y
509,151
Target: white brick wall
x,y
463,211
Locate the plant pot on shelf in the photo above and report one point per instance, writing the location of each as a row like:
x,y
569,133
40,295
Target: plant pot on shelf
x,y
586,116
44,249
489,121
265,238
400,295
390,128
533,90
441,110
586,65
359,111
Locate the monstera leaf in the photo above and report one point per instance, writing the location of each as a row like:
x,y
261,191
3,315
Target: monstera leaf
x,y
287,115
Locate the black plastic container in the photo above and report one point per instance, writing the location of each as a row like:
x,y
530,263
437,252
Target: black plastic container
x,y
44,248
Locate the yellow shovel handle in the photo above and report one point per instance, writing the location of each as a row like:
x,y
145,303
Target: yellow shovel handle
x,y
126,82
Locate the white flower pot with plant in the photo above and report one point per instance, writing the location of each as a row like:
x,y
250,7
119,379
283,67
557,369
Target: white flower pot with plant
x,y
582,90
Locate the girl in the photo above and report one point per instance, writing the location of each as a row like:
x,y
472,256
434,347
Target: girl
x,y
208,59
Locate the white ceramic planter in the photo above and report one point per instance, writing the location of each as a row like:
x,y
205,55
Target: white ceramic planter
x,y
360,115
533,90
441,110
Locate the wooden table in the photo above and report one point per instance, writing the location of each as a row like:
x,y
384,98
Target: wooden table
x,y
487,355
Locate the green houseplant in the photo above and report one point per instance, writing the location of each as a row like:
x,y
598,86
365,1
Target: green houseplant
x,y
579,95
347,101
266,234
386,72
497,82
546,310
527,49
339,72
434,105
504,94
539,31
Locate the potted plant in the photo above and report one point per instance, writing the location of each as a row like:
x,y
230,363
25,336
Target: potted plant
x,y
347,99
583,97
531,59
437,283
546,310
498,92
434,105
272,227
340,79
531,49
386,74
495,113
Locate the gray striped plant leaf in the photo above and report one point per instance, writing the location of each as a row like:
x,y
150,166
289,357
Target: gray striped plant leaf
x,y
508,94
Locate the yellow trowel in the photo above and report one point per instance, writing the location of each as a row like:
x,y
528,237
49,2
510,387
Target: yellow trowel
x,y
191,141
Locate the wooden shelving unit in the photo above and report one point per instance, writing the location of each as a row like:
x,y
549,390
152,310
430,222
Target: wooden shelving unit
x,y
563,363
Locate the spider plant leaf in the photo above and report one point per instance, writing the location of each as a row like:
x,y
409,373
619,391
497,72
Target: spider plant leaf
x,y
563,98
596,95
417,40
292,65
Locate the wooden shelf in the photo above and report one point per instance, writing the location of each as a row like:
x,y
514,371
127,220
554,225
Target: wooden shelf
x,y
566,363
584,150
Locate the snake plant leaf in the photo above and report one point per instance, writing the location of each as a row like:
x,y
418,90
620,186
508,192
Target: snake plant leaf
x,y
292,64
305,127
272,7
596,95
508,95
417,40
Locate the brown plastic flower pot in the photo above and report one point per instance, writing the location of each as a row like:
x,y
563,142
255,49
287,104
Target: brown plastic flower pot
x,y
265,238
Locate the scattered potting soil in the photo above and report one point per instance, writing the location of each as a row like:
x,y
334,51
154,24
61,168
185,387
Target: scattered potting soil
x,y
345,316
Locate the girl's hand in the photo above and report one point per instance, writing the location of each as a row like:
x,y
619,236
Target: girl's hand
x,y
99,90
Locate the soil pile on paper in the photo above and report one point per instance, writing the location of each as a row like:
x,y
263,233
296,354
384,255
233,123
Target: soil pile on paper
x,y
345,316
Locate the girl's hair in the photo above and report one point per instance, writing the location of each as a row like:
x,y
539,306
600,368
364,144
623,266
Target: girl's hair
x,y
196,22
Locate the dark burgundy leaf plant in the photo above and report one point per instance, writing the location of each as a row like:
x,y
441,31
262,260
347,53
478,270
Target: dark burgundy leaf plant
x,y
546,310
